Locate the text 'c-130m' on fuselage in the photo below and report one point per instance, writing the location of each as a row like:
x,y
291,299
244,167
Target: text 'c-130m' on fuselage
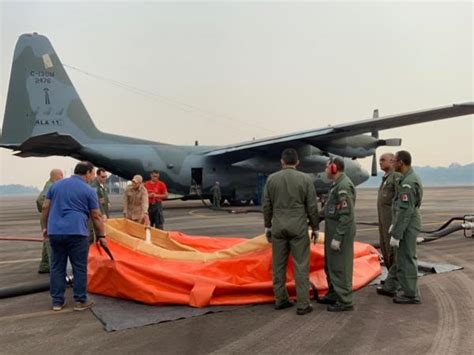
x,y
44,116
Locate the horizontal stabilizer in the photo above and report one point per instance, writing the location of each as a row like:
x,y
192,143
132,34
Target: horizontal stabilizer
x,y
47,145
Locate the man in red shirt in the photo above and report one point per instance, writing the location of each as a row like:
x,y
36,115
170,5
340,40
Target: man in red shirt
x,y
157,192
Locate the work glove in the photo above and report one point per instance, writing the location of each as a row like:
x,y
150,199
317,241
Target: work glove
x,y
390,229
268,234
314,236
335,245
395,243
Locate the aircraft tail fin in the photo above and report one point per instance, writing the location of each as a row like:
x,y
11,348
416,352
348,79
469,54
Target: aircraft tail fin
x,y
42,101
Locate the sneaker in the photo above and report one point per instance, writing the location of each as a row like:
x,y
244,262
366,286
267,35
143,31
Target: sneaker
x,y
286,304
58,307
303,311
340,307
82,306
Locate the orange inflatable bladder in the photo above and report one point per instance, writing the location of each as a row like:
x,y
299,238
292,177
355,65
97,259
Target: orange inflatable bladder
x,y
199,271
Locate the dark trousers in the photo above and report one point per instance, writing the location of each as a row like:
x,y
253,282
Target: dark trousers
x,y
76,248
155,212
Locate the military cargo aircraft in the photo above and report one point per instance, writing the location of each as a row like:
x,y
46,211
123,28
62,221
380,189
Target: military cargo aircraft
x,y
44,116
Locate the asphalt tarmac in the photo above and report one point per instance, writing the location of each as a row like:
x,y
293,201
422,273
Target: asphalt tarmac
x,y
442,324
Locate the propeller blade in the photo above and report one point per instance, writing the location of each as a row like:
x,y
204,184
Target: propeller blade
x,y
375,134
374,165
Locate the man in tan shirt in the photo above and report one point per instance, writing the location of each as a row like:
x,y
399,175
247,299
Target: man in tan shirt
x,y
135,201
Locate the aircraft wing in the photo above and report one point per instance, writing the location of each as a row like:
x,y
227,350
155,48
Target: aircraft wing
x,y
344,130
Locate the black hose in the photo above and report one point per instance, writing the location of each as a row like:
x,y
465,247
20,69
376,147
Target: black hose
x,y
24,290
22,239
441,233
444,225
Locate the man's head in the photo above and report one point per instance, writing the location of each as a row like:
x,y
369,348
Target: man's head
x,y
137,181
289,157
55,175
155,175
101,175
402,161
386,162
86,170
334,168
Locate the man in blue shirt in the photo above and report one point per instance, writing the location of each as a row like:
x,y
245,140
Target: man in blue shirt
x,y
65,214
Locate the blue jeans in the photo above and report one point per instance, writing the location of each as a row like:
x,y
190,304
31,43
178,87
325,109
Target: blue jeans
x,y
76,247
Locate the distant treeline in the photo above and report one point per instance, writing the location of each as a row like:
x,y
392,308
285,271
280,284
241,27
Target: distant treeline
x,y
453,175
11,190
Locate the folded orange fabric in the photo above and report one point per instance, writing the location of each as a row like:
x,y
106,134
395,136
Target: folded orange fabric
x,y
200,271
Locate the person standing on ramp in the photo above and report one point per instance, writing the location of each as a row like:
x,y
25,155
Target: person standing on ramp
x,y
289,202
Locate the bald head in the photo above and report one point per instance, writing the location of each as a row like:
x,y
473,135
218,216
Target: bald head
x,y
55,175
386,162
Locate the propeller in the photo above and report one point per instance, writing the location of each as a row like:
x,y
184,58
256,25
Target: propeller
x,y
391,142
375,134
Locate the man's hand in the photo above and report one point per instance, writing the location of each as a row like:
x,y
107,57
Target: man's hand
x,y
395,243
335,245
268,234
315,236
44,234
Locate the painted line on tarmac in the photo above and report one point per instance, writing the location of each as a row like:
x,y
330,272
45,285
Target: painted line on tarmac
x,y
194,214
34,314
18,261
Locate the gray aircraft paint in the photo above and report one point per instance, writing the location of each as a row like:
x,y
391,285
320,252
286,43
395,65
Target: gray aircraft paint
x,y
45,116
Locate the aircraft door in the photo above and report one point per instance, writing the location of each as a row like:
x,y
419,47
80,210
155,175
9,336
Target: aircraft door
x,y
196,181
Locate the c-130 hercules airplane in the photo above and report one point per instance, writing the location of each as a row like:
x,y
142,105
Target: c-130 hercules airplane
x,y
44,116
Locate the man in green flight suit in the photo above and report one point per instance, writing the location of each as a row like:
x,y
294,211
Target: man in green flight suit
x,y
103,196
54,175
289,202
340,230
216,196
405,228
386,194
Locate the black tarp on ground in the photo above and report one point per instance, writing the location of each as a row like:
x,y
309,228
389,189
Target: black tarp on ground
x,y
117,314
424,268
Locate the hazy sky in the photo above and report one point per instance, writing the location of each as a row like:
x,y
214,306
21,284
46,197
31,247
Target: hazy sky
x,y
237,70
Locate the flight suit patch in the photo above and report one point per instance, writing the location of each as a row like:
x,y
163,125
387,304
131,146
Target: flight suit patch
x,y
404,197
344,204
331,209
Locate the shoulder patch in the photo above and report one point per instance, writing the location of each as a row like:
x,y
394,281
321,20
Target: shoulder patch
x,y
342,192
344,204
404,197
406,185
